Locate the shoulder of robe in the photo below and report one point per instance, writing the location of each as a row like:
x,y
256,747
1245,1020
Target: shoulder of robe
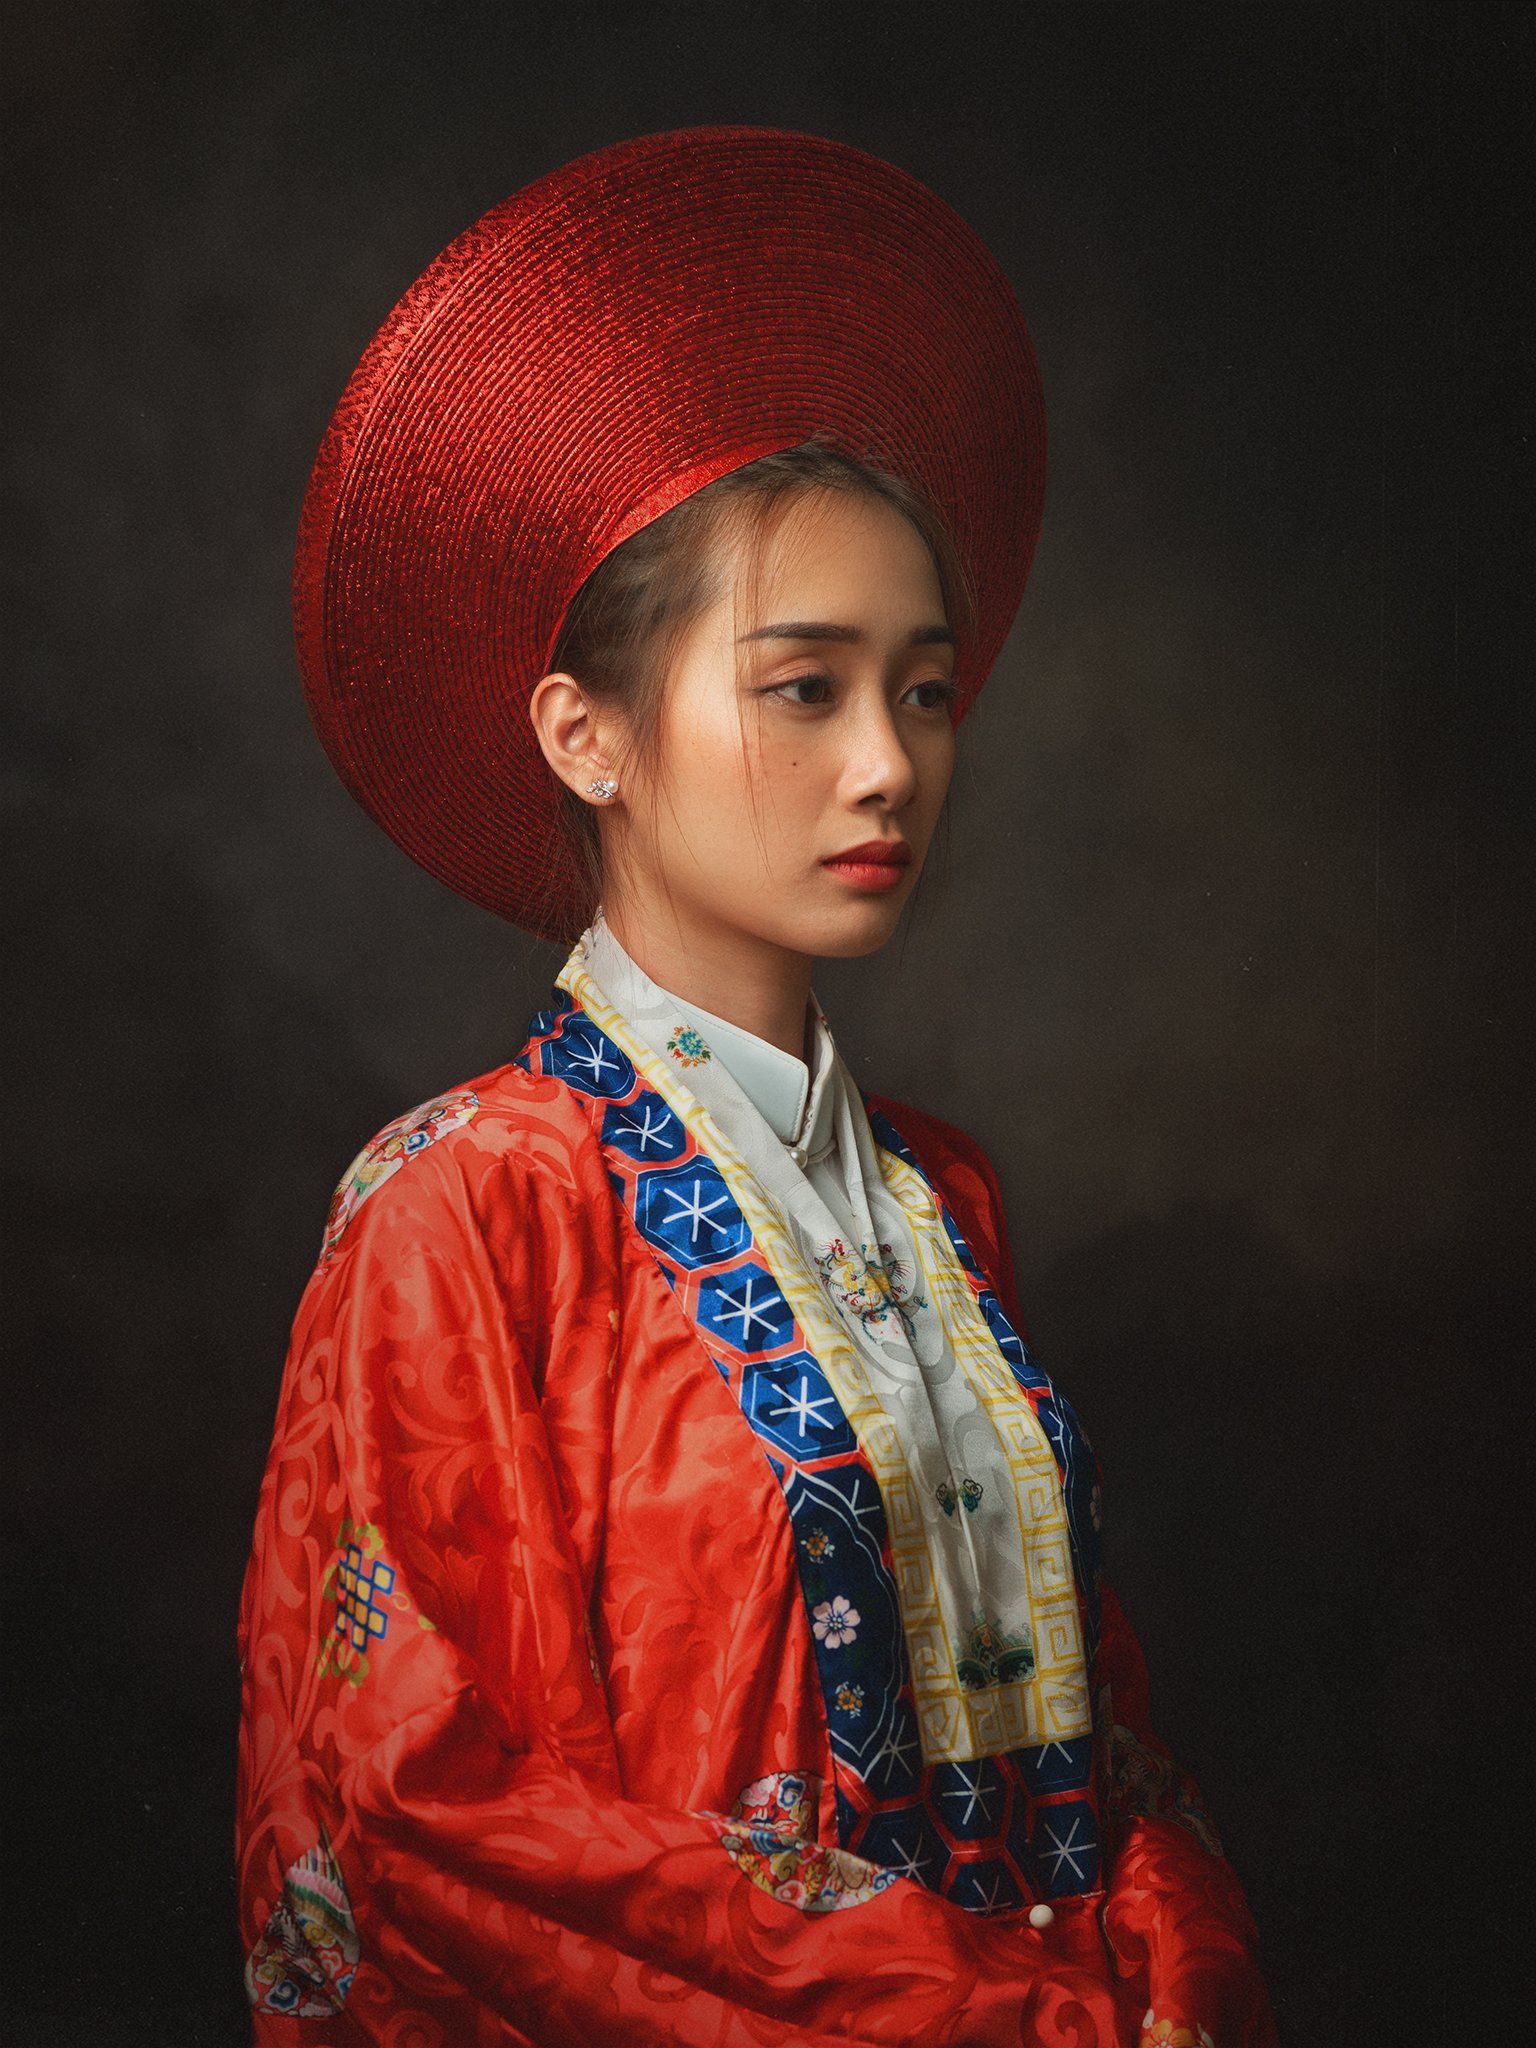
x,y
504,1123
941,1147
955,1161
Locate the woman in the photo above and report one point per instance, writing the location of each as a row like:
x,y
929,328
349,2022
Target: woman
x,y
675,1612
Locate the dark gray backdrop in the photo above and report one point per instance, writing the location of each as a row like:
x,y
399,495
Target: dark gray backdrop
x,y
1226,972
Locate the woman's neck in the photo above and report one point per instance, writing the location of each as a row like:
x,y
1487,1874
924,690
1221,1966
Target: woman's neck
x,y
746,980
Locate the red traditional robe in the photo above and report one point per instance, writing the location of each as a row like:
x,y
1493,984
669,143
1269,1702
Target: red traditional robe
x,y
533,1744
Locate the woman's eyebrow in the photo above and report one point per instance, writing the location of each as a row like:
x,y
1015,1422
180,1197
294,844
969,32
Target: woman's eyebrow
x,y
814,629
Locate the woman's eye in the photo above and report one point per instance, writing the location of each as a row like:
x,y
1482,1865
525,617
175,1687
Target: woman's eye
x,y
939,693
819,688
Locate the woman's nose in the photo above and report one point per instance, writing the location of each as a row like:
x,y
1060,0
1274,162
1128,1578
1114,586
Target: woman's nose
x,y
878,763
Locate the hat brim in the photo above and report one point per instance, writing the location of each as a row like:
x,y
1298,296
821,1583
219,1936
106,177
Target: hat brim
x,y
613,337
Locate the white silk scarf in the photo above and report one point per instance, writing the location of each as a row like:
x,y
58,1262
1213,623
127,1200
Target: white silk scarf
x,y
978,1530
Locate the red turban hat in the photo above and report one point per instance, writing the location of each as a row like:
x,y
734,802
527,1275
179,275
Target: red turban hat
x,y
613,337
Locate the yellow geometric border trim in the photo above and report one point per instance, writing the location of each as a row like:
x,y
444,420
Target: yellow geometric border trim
x,y
1052,1704
956,1726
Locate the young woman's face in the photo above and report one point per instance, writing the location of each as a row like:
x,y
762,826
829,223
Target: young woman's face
x,y
816,729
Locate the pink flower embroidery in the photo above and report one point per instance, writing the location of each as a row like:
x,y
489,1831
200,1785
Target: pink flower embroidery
x,y
1156,2033
835,1622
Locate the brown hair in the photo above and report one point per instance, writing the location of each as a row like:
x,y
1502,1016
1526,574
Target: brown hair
x,y
622,629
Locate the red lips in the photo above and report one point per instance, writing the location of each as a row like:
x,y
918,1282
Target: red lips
x,y
877,853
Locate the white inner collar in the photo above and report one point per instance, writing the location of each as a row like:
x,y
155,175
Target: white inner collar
x,y
794,1099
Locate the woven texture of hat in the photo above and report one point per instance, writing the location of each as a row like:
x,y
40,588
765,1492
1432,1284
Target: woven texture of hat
x,y
613,337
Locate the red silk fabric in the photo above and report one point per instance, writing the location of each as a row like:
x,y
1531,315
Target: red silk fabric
x,y
492,1805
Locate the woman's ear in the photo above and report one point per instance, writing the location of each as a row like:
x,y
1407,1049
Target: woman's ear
x,y
569,731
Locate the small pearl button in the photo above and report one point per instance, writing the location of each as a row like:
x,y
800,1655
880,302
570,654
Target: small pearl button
x,y
1040,1916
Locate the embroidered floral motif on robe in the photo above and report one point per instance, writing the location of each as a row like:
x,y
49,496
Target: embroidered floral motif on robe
x,y
563,1643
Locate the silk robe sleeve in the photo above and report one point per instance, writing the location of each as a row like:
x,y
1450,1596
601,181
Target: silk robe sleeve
x,y
1175,1917
434,1842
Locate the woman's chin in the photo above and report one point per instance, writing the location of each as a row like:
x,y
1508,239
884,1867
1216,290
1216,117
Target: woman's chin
x,y
859,925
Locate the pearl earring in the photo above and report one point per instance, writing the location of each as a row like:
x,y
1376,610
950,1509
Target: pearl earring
x,y
603,788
